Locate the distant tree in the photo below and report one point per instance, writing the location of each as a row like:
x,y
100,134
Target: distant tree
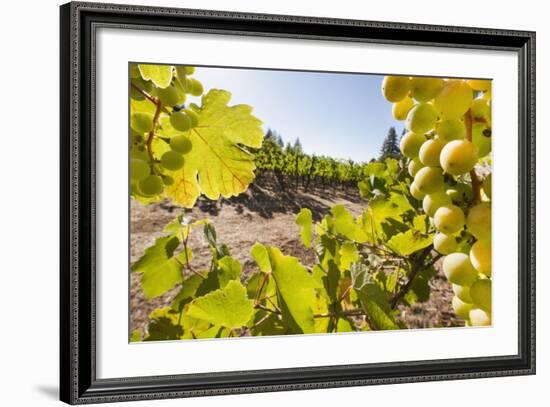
x,y
390,146
297,147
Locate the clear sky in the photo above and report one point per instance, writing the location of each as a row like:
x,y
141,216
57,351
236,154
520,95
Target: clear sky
x,y
333,114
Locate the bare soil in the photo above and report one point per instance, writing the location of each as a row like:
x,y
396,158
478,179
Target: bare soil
x,y
262,214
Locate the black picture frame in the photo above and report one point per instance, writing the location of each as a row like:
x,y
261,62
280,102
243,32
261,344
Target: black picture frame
x,y
78,382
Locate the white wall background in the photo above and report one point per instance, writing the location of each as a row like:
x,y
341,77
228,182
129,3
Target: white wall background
x,y
29,201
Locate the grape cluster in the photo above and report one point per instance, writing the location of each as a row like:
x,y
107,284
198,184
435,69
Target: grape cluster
x,y
149,173
449,135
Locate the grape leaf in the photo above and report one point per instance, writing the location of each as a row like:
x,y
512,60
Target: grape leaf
x,y
348,255
160,270
228,307
409,242
304,220
160,75
229,269
376,304
261,257
218,163
345,224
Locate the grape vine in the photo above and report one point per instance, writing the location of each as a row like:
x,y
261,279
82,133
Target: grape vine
x,y
432,204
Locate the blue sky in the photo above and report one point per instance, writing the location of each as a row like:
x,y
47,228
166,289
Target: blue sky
x,y
333,114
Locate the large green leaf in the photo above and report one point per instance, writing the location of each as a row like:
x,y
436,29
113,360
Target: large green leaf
x,y
261,257
376,304
160,75
304,220
228,307
345,224
160,269
217,165
409,242
229,269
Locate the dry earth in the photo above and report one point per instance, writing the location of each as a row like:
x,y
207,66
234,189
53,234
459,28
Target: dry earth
x,y
262,214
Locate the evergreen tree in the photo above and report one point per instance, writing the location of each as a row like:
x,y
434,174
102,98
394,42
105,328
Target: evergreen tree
x,y
390,146
297,147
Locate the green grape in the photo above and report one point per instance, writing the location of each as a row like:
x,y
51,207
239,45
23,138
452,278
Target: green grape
x,y
479,84
151,185
480,291
189,70
429,152
172,160
445,244
194,87
180,72
410,144
167,180
139,169
180,121
481,137
414,166
421,118
416,192
134,71
463,293
481,110
401,109
454,99
141,122
461,308
486,184
460,193
458,157
458,269
449,219
395,88
449,130
170,96
193,116
480,256
425,89
478,221
181,144
432,202
478,317
429,180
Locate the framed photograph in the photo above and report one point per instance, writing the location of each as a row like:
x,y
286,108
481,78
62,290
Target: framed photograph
x,y
255,203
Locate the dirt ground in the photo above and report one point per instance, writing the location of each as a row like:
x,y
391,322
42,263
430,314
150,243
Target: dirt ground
x,y
262,214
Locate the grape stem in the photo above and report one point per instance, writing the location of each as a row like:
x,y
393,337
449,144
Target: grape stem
x,y
149,98
476,185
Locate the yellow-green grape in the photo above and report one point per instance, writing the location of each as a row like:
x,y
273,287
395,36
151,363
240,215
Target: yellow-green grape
x,y
194,87
460,193
429,180
449,219
181,144
478,221
151,185
454,99
395,88
172,160
479,84
402,108
481,110
463,292
459,270
458,157
480,291
189,70
432,202
478,317
180,71
480,256
445,244
139,169
170,96
180,121
449,130
410,144
429,152
425,89
167,180
134,71
461,308
481,137
193,116
421,119
414,166
141,122
416,192
486,184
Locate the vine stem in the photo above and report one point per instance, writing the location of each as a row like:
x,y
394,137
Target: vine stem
x,y
476,185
